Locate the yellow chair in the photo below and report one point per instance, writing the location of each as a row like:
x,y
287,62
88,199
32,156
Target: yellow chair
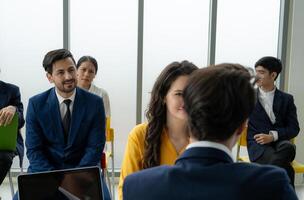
x,y
242,142
109,173
298,167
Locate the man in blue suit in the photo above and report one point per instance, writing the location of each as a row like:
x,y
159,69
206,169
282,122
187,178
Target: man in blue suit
x,y
10,103
273,122
218,101
65,125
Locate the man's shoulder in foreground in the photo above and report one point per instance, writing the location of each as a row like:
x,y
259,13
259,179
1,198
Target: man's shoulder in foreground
x,y
216,181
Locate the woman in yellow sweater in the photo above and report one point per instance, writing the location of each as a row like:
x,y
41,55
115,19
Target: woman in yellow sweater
x,y
165,136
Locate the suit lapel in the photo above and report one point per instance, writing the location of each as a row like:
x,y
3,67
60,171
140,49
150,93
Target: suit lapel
x,y
77,115
3,100
260,108
3,96
54,115
277,103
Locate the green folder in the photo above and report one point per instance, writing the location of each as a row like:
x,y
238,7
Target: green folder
x,y
8,135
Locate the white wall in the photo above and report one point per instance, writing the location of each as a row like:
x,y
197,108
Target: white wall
x,y
245,33
295,84
108,31
180,35
27,32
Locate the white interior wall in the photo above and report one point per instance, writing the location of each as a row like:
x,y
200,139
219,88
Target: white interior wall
x,y
295,71
295,84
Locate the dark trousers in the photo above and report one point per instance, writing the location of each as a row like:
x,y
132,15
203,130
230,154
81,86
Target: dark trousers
x,y
6,159
280,154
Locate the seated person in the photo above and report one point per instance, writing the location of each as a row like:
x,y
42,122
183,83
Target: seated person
x,y
86,71
273,122
65,125
166,135
218,101
10,103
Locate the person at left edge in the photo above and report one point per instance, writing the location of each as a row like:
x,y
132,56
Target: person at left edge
x,y
51,142
10,103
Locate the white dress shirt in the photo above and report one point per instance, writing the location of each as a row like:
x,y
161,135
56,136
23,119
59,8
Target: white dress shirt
x,y
210,144
266,99
62,105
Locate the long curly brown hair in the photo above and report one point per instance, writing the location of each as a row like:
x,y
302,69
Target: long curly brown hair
x,y
156,113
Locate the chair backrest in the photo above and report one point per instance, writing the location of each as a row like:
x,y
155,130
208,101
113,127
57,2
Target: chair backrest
x,y
109,154
109,131
8,135
241,142
108,124
243,138
110,139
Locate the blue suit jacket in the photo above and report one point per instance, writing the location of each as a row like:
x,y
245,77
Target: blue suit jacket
x,y
286,123
208,173
10,95
45,145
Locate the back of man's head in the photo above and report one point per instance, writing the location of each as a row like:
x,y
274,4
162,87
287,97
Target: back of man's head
x,y
52,56
218,99
270,63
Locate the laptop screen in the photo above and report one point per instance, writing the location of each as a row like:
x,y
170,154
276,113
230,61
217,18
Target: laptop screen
x,y
71,184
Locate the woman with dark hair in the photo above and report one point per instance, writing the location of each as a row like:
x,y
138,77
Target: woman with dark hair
x,y
86,71
165,136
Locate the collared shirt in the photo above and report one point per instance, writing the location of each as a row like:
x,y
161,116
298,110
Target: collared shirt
x,y
210,144
266,100
62,105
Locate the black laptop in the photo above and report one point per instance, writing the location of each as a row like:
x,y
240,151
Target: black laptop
x,y
70,184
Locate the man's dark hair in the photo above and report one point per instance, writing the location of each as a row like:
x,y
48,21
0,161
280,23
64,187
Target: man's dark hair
x,y
218,99
89,59
51,57
270,63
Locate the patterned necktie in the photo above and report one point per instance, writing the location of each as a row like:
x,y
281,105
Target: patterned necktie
x,y
67,119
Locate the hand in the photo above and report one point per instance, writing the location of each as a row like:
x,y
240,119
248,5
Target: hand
x,y
263,138
6,115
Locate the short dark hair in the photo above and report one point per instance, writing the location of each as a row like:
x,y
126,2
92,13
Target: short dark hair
x,y
51,57
270,63
85,59
218,99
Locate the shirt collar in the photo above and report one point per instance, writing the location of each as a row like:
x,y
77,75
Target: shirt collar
x,y
91,87
269,93
210,144
61,99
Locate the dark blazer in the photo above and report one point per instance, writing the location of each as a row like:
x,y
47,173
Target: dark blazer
x,y
286,123
46,149
10,95
208,173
